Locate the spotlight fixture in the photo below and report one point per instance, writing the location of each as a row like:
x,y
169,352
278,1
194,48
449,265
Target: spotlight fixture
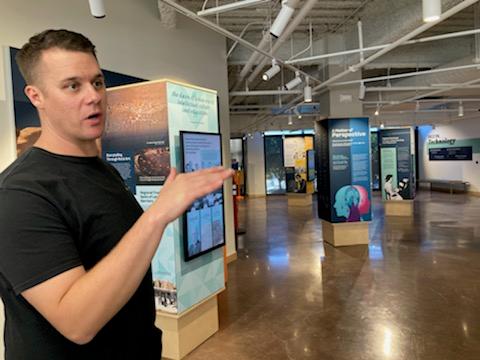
x,y
97,8
270,73
432,9
282,19
290,121
460,109
377,110
307,92
361,91
297,80
299,116
382,126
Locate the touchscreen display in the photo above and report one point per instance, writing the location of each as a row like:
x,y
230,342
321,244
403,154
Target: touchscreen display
x,y
204,220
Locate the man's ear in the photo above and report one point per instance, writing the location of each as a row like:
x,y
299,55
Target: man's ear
x,y
35,95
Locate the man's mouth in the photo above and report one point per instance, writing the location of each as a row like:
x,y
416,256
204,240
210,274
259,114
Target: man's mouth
x,y
94,116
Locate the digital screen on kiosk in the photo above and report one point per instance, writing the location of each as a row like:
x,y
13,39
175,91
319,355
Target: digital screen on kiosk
x,y
204,225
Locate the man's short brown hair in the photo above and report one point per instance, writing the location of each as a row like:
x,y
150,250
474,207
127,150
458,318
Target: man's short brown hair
x,y
29,55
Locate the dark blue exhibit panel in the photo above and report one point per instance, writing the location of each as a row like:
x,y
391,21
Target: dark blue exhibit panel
x,y
350,170
343,147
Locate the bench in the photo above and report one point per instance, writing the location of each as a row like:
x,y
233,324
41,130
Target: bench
x,y
451,184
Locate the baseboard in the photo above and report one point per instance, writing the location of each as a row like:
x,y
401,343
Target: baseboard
x,y
231,257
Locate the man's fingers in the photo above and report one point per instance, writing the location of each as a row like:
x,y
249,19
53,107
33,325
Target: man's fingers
x,y
207,183
171,176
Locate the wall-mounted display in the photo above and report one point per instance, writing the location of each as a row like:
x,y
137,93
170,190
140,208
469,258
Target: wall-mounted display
x,y
460,153
204,226
343,169
449,148
397,163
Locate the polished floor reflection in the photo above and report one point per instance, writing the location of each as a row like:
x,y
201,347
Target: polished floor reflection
x,y
413,293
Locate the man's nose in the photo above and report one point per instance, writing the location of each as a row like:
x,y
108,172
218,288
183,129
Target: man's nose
x,y
94,95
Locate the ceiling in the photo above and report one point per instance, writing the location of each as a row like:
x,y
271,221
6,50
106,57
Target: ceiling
x,y
331,26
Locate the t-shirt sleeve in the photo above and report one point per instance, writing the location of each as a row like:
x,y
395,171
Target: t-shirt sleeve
x,y
35,241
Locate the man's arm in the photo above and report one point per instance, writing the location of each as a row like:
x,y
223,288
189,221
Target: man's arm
x,y
79,303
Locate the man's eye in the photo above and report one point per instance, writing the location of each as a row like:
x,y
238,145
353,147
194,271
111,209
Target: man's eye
x,y
72,86
99,84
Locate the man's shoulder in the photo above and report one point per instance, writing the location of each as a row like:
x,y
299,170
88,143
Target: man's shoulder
x,y
27,171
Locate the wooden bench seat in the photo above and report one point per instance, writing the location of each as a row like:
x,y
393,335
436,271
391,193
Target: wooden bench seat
x,y
450,184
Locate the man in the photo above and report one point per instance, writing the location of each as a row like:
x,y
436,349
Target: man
x,y
75,247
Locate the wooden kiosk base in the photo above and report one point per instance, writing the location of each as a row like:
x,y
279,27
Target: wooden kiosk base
x,y
398,207
345,234
299,199
185,332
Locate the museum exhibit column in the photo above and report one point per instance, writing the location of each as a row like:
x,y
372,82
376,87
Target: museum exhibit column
x,y
397,169
298,186
142,141
343,164
343,171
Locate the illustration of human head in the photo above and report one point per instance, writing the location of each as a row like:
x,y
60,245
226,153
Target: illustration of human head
x,y
351,202
388,178
346,198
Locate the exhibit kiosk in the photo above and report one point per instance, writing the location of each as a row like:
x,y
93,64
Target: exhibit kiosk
x,y
342,147
153,126
298,178
397,170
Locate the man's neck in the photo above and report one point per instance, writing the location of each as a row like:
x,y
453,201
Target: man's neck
x,y
63,147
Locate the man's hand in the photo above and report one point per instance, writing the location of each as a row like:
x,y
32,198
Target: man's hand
x,y
181,190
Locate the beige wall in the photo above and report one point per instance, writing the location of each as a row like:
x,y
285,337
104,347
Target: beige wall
x,y
129,40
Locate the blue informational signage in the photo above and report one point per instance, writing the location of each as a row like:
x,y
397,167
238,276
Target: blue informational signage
x,y
343,150
397,164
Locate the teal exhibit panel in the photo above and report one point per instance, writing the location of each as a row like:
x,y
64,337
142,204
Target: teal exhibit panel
x,y
342,148
397,163
142,140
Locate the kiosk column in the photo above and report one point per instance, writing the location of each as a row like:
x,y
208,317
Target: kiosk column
x,y
397,165
343,168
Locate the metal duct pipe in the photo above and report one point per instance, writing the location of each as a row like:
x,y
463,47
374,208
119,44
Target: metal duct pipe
x,y
191,15
290,29
415,73
436,92
379,47
256,55
265,92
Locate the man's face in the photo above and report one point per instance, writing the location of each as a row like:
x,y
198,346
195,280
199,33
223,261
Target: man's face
x,y
69,93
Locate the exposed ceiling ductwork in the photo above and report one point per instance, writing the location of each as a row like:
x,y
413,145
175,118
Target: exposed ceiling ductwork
x,y
391,39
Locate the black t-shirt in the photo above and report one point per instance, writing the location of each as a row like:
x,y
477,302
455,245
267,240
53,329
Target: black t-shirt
x,y
58,212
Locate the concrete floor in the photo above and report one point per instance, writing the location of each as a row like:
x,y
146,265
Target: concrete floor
x,y
413,293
